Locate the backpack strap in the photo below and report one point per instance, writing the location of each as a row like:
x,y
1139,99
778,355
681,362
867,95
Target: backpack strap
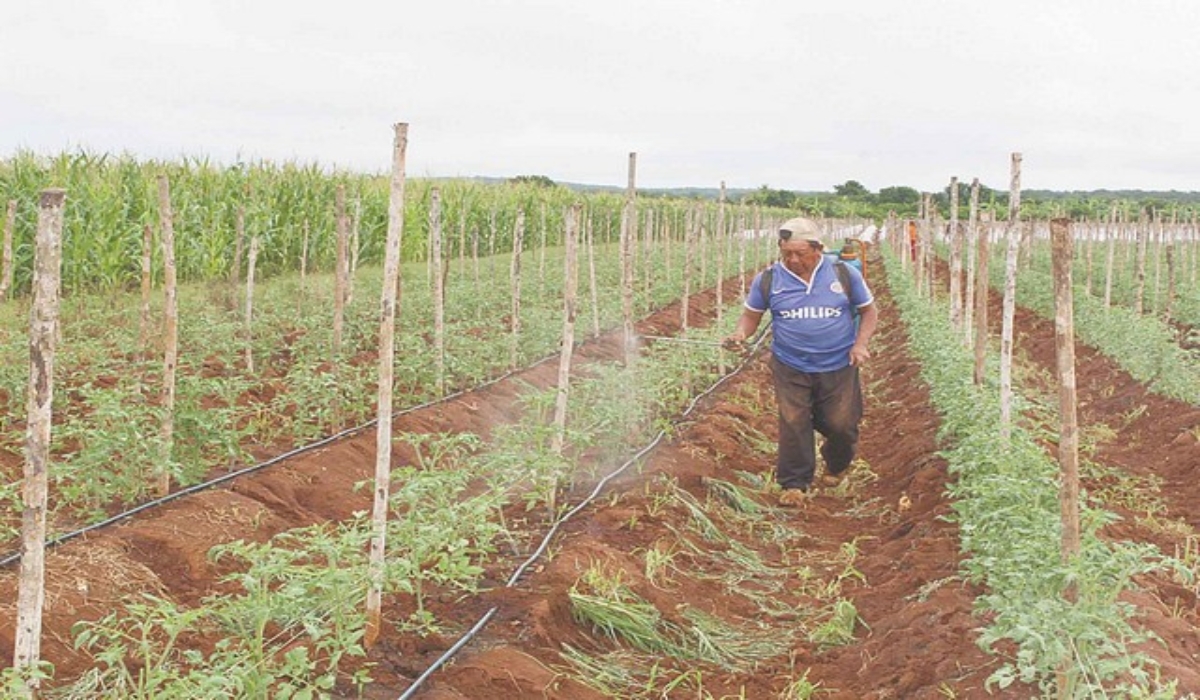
x,y
764,285
843,276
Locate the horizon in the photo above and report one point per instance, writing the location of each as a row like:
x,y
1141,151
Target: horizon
x,y
329,169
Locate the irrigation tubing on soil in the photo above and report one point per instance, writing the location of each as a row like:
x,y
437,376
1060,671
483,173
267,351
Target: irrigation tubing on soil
x,y
16,556
196,488
475,629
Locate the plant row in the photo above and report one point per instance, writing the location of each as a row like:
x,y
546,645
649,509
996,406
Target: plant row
x,y
1141,343
242,397
1007,508
290,622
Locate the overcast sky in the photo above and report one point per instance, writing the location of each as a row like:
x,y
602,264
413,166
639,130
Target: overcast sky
x,y
788,93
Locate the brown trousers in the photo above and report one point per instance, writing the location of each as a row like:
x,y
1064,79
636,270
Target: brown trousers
x,y
830,403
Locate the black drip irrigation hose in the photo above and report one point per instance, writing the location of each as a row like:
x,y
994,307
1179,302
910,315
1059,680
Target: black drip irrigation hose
x,y
196,488
13,557
470,634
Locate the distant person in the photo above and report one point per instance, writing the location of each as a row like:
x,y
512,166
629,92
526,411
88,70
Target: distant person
x,y
912,240
817,350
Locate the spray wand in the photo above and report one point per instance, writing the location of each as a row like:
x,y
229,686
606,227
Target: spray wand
x,y
731,347
693,341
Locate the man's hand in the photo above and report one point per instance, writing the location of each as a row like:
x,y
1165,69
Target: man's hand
x,y
735,342
859,354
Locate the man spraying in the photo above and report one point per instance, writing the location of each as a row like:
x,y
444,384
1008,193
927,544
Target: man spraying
x,y
816,352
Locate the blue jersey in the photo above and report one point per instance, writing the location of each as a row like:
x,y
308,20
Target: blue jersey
x,y
814,326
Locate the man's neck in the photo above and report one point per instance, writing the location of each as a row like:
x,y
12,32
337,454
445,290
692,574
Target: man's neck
x,y
806,275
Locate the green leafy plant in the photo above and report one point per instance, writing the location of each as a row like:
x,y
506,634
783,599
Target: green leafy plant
x,y
438,535
296,618
1006,505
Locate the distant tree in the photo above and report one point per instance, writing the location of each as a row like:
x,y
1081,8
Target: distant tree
x,y
767,197
539,180
851,188
1156,206
899,194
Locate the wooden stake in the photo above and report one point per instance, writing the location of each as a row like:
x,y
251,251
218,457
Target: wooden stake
x,y
462,239
341,270
249,319
570,287
439,290
1143,235
1194,251
668,243
972,235
1112,253
760,250
1170,303
922,227
928,236
144,317
1013,234
1089,244
956,241
741,237
628,236
43,333
354,250
171,335
387,350
648,280
514,281
689,243
981,300
720,239
1064,336
475,265
595,289
239,236
1068,439
491,254
6,257
542,251
1157,235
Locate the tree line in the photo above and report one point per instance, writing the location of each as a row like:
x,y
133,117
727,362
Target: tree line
x,y
852,199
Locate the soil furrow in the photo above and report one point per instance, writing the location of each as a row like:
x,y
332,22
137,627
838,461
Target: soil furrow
x,y
164,550
881,539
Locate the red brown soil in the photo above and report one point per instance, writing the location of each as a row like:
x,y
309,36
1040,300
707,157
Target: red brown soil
x,y
916,640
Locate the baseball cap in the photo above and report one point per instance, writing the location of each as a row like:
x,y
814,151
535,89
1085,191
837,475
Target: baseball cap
x,y
801,229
